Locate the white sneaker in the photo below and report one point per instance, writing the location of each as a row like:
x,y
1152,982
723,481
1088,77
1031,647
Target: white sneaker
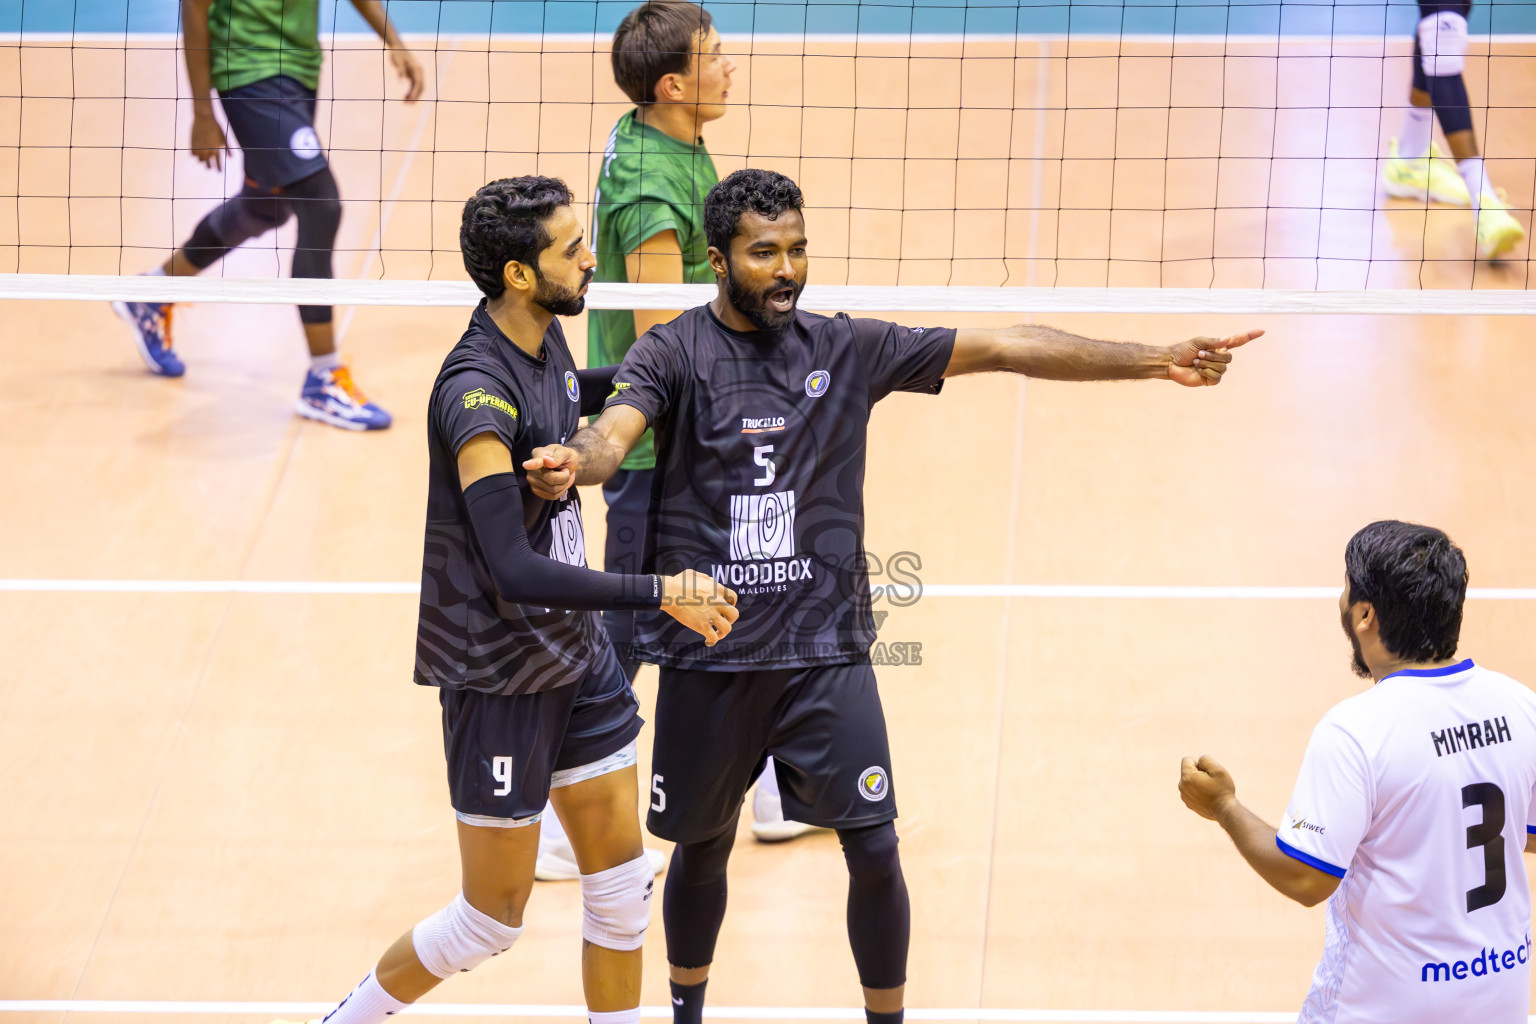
x,y
768,822
557,863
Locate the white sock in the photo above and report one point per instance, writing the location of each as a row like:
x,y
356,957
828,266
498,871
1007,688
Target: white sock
x,y
552,837
368,1004
768,782
1476,176
1418,130
616,1017
157,272
322,364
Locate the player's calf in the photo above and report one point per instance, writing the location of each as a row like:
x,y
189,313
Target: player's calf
x,y
879,917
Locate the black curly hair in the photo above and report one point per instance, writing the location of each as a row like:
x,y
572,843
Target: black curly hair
x,y
766,193
504,221
1416,579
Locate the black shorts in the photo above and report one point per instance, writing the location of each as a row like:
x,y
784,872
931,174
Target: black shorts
x,y
824,727
505,753
274,122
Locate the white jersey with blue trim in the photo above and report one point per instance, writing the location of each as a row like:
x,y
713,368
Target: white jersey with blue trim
x,y
1418,795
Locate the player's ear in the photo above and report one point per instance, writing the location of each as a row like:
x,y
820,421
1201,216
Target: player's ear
x,y
669,88
517,277
716,261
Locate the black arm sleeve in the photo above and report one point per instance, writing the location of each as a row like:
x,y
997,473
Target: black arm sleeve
x,y
523,576
596,386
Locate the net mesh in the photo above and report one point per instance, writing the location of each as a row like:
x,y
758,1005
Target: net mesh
x,y
979,152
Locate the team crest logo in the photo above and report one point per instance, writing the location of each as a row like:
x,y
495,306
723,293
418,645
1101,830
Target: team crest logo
x,y
304,143
572,390
874,784
817,383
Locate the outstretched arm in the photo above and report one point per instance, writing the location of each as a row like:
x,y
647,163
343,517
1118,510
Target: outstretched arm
x,y
1208,790
1050,354
591,457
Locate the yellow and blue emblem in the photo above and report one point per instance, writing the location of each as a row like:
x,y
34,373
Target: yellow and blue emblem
x,y
572,389
817,383
874,784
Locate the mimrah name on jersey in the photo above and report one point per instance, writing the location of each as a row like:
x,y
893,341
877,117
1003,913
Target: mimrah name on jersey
x,y
1454,739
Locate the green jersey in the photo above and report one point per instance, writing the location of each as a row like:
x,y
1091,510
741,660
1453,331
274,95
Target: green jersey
x,y
649,183
253,40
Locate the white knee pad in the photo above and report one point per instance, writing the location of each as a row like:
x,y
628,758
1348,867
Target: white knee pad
x,y
1443,43
616,905
460,938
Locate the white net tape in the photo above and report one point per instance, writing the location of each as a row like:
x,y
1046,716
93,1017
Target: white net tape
x,y
832,298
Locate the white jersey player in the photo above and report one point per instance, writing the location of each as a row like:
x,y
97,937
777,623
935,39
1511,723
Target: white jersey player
x,y
1412,809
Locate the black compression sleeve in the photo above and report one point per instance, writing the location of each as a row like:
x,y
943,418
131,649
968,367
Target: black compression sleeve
x,y
523,576
596,386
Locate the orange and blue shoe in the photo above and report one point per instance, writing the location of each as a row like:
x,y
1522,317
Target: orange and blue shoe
x,y
151,323
331,397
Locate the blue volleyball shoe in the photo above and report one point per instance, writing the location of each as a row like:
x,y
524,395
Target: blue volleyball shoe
x,y
331,397
151,323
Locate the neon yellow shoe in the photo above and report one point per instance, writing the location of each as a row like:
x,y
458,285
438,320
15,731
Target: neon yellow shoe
x,y
1424,178
1497,231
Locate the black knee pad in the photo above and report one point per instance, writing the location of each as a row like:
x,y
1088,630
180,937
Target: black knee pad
x,y
693,899
250,214
871,853
246,215
704,861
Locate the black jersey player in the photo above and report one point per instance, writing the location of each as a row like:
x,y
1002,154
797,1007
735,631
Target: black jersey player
x,y
535,703
760,413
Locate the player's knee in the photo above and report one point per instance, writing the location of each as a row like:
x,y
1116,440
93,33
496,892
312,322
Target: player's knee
x,y
460,938
706,861
317,204
871,854
247,216
1443,44
616,904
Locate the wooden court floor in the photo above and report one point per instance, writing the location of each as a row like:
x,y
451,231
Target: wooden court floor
x,y
240,797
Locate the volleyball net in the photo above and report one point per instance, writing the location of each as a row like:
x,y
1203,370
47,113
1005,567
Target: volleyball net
x,y
1008,156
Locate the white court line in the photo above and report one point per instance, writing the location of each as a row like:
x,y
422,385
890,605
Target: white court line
x,y
899,595
717,1012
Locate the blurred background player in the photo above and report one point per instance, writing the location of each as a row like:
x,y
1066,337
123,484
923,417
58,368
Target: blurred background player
x,y
534,702
1412,807
1415,168
648,226
263,57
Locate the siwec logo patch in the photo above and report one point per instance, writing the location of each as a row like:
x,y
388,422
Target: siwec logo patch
x,y
304,143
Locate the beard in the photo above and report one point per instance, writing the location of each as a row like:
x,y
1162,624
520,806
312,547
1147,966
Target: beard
x,y
1357,665
559,300
754,304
